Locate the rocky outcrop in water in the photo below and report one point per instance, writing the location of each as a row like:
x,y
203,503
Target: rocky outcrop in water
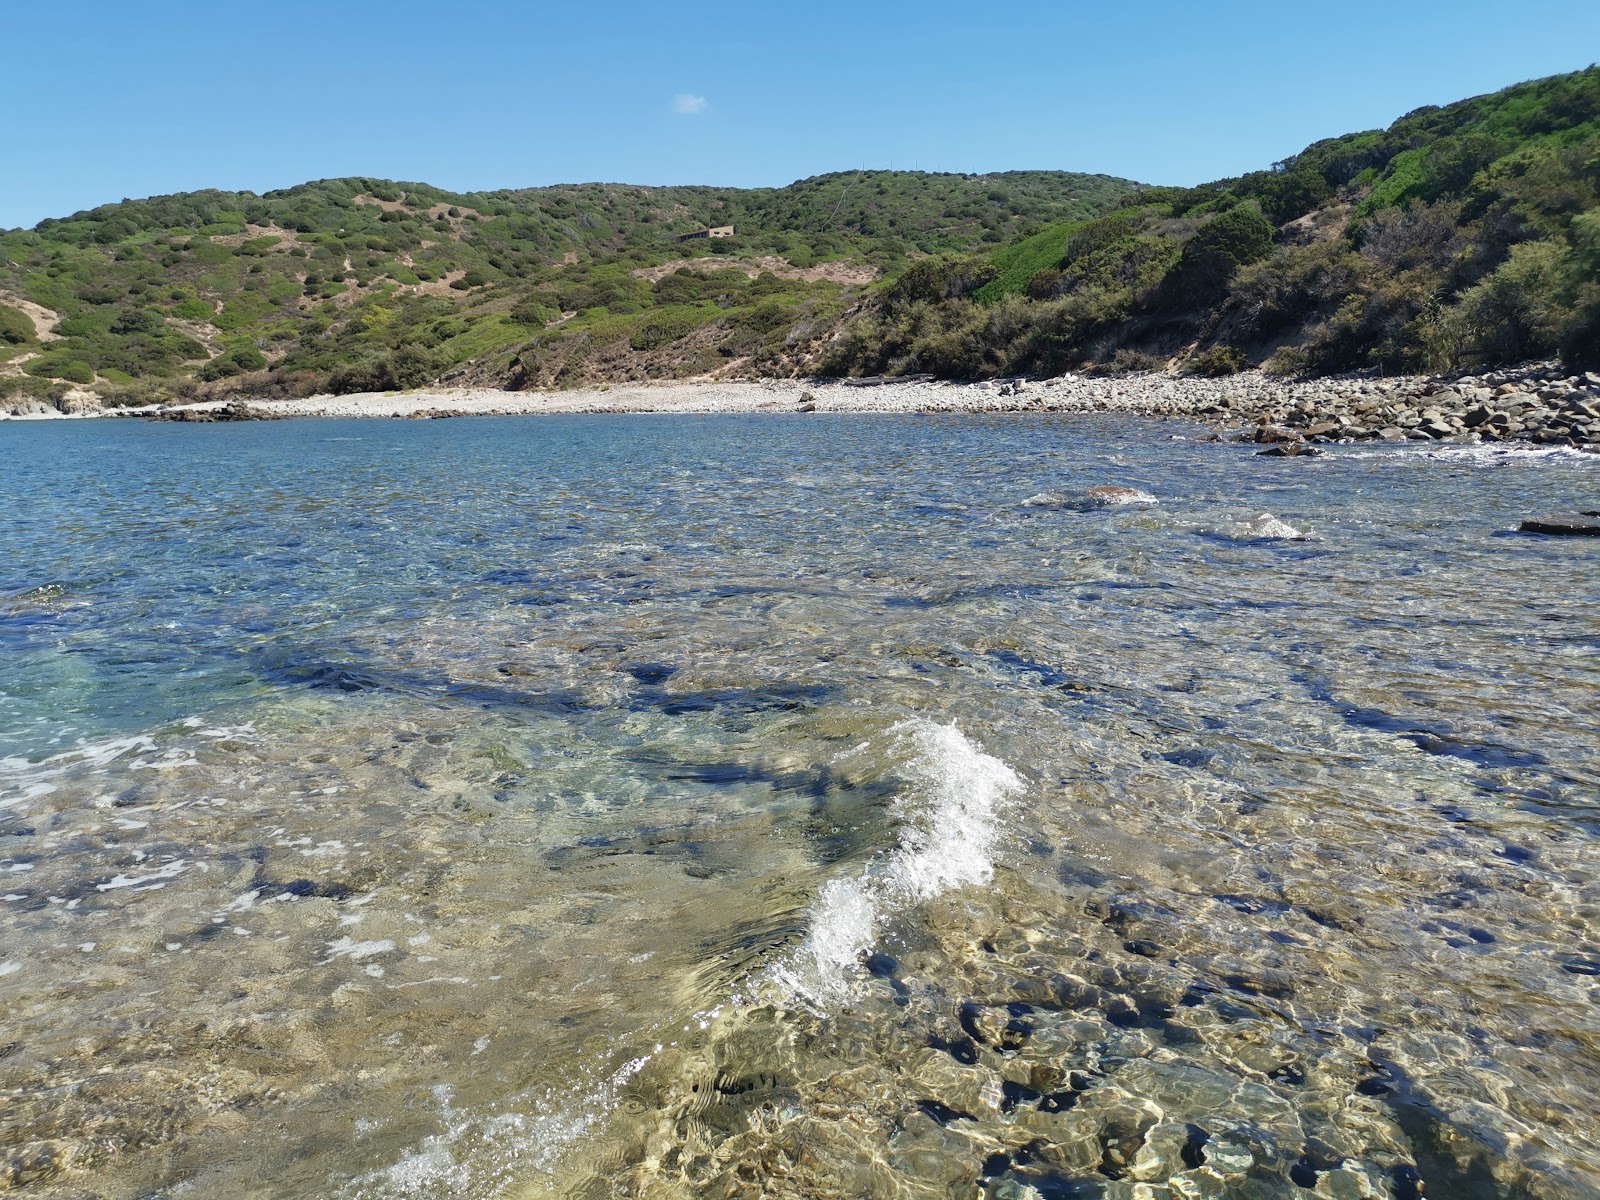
x,y
1567,524
236,410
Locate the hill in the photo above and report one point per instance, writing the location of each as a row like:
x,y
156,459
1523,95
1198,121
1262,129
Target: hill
x,y
1458,238
362,283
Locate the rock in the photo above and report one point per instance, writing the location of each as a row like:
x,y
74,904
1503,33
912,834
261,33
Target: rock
x,y
1577,524
1104,496
1289,450
26,406
1390,433
1322,428
77,402
236,410
1267,528
1276,433
1480,415
1436,428
1107,495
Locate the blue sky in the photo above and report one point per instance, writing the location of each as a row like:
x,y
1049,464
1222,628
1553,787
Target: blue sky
x,y
141,97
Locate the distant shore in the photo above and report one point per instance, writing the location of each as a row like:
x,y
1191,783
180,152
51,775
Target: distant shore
x,y
1534,402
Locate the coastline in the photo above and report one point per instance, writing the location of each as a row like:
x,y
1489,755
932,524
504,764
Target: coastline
x,y
1534,402
1146,394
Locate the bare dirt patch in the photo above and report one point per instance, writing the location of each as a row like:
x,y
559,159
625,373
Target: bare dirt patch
x,y
435,287
203,332
386,205
286,237
44,319
1319,225
842,273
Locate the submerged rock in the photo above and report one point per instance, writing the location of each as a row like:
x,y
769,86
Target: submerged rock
x,y
1578,523
1289,450
1102,496
1107,494
1266,527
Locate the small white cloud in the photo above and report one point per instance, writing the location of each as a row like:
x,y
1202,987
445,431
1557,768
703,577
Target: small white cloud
x,y
688,105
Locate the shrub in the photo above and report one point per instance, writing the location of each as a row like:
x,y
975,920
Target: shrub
x,y
1217,362
1294,283
1419,235
16,327
1128,362
941,277
533,314
30,385
660,326
57,365
1219,248
407,366
1513,314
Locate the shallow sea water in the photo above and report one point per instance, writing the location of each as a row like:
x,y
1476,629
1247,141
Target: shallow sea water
x,y
728,807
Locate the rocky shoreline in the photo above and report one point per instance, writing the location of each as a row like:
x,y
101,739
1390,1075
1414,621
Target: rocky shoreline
x,y
1537,403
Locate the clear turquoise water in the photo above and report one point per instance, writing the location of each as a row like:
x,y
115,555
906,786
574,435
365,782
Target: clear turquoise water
x,y
706,806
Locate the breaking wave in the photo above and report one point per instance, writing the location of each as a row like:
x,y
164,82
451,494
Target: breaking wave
x,y
953,816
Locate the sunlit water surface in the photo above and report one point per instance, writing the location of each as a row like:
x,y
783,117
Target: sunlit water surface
x,y
782,806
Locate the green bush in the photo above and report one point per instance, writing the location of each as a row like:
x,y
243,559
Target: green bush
x,y
1516,313
663,325
1293,284
31,385
408,366
56,365
1218,249
1217,362
194,310
204,250
533,314
941,277
16,327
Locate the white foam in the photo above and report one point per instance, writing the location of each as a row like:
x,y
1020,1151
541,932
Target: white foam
x,y
1484,455
350,948
22,779
151,882
476,1155
952,818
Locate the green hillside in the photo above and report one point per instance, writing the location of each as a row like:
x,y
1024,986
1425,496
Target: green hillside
x,y
1459,237
356,283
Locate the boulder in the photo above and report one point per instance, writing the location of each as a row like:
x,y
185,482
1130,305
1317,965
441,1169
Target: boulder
x,y
1107,495
1267,528
1289,450
1571,524
1276,433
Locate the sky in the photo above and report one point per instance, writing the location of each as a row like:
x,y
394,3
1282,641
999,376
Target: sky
x,y
111,99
